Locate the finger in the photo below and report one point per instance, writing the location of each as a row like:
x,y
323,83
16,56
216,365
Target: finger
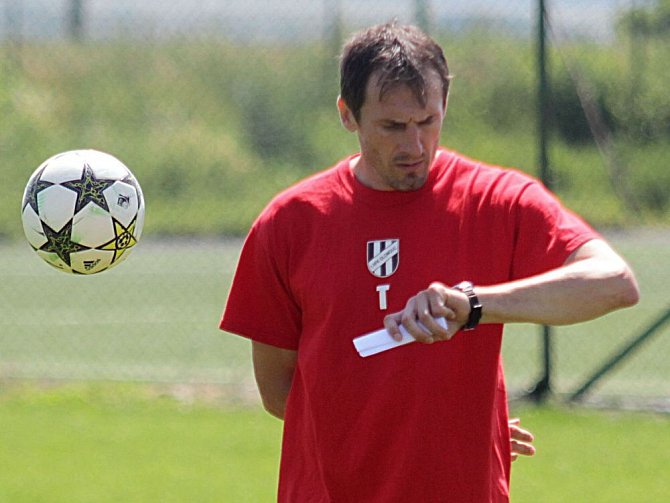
x,y
514,421
437,304
522,448
437,331
459,303
518,433
428,318
391,324
411,324
408,319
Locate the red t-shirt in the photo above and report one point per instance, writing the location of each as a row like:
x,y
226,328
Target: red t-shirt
x,y
327,260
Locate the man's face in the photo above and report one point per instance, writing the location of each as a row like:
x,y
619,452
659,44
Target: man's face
x,y
398,136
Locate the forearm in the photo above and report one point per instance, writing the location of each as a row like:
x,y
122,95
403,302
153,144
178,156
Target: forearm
x,y
275,403
273,369
593,281
579,291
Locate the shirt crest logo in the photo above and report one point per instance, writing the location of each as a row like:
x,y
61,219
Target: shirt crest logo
x,y
383,257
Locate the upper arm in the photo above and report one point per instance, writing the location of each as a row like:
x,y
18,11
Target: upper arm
x,y
273,368
605,263
544,231
595,249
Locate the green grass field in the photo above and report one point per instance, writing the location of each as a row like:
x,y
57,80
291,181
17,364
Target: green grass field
x,y
137,443
154,320
121,443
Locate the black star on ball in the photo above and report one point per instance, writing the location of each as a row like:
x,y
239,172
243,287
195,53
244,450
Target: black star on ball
x,y
89,189
60,242
35,186
124,238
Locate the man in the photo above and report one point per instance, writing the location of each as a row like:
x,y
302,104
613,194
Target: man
x,y
378,239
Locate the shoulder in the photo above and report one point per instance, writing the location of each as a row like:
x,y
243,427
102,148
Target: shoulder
x,y
478,180
313,195
311,189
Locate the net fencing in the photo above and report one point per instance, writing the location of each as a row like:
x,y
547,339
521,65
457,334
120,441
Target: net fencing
x,y
217,105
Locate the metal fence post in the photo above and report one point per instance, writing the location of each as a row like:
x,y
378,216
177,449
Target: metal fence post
x,y
621,356
422,14
543,387
75,19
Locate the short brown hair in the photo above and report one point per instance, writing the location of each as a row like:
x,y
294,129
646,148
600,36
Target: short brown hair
x,y
401,53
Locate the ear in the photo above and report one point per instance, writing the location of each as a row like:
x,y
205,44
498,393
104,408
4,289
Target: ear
x,y
444,107
346,115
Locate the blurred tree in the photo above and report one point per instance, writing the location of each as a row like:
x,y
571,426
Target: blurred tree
x,y
75,19
13,18
422,15
649,21
334,25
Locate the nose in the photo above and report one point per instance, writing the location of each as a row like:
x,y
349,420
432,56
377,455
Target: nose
x,y
412,143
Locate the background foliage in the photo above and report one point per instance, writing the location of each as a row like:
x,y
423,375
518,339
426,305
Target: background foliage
x,y
212,137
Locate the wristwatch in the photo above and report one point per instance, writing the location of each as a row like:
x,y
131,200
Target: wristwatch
x,y
475,306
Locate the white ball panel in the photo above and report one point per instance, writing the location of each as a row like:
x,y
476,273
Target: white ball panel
x,y
56,205
105,165
140,223
64,167
91,261
123,202
92,226
32,227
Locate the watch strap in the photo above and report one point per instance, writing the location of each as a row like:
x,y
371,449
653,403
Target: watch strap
x,y
475,306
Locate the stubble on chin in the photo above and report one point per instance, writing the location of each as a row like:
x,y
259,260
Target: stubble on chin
x,y
409,182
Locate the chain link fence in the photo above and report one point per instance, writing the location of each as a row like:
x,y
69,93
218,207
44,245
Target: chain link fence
x,y
217,105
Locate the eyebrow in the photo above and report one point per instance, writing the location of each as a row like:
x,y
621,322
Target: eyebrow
x,y
388,121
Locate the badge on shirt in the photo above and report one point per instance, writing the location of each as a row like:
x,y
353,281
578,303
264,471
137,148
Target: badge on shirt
x,y
383,257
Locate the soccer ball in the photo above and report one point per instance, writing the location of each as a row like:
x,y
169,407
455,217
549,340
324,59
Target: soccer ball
x,y
82,211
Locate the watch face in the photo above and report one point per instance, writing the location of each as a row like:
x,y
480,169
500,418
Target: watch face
x,y
465,286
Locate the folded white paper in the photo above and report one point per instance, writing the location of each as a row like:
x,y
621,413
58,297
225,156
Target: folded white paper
x,y
380,340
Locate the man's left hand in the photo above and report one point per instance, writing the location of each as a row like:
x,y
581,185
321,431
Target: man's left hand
x,y
520,440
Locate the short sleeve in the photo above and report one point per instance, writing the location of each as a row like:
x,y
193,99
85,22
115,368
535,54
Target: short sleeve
x,y
546,232
260,306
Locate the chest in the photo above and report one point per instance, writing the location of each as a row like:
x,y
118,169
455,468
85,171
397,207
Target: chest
x,y
370,261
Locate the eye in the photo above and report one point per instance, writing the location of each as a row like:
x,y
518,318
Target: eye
x,y
428,121
393,126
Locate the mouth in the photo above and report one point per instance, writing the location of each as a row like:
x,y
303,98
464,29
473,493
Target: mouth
x,y
410,165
